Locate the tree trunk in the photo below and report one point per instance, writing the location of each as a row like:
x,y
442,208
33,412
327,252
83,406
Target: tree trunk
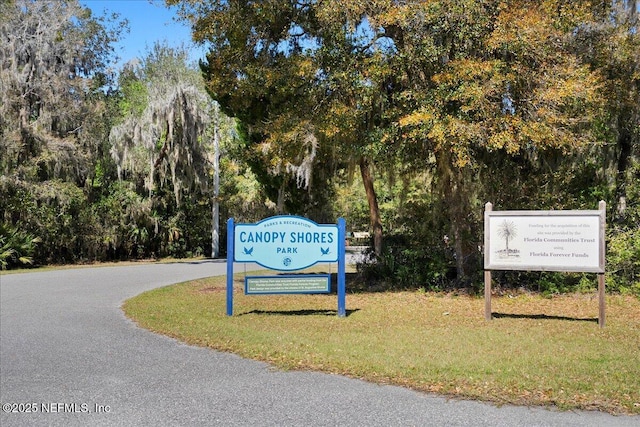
x,y
372,199
215,205
457,204
624,157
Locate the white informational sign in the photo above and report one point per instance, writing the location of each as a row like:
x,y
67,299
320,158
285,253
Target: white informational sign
x,y
545,240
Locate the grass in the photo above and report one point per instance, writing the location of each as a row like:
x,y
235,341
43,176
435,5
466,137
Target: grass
x,y
536,351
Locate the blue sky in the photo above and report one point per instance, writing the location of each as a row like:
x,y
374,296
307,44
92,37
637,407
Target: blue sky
x,y
148,22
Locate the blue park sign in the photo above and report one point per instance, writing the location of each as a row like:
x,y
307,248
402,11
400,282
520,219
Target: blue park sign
x,y
286,243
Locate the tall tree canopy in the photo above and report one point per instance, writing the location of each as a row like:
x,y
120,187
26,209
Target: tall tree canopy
x,y
54,57
442,105
292,73
610,43
502,80
68,132
54,67
438,84
166,114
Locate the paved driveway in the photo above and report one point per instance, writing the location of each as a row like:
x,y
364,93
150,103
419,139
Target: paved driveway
x,y
68,356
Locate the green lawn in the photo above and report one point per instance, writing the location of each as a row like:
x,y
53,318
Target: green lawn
x,y
536,351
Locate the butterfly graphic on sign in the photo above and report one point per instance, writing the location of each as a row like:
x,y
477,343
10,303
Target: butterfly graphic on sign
x,y
285,243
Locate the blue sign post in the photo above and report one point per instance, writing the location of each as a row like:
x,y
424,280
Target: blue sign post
x,y
286,243
342,284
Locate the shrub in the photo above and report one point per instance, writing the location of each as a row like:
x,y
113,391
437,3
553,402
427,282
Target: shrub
x,y
407,264
623,262
16,247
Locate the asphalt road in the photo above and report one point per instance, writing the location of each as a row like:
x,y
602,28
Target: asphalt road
x,y
68,356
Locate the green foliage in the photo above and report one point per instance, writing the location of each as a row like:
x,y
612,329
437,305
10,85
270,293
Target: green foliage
x,y
243,197
50,210
623,262
134,96
16,247
623,239
552,283
407,264
350,203
449,104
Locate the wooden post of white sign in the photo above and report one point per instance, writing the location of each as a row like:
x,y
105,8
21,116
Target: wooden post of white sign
x,y
601,299
487,273
601,295
487,295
